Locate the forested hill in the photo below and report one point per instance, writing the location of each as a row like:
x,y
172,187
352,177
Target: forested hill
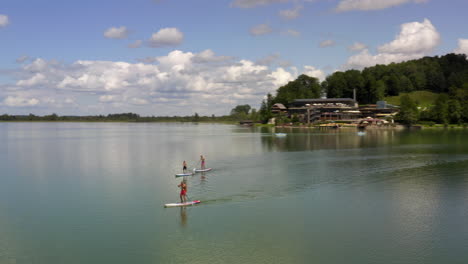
x,y
445,74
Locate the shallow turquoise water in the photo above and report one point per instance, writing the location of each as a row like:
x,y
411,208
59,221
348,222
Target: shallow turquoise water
x,y
94,193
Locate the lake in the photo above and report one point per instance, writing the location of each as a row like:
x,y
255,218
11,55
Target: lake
x,y
94,193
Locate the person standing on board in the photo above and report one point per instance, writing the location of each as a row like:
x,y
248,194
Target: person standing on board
x,y
202,160
183,191
184,166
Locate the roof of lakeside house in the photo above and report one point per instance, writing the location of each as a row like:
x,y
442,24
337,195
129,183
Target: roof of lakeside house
x,y
280,106
327,100
303,102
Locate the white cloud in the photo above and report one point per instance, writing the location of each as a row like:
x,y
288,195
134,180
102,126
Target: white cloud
x,y
4,21
268,60
327,43
415,40
261,29
17,101
290,14
314,72
108,98
462,46
357,46
117,33
36,79
254,3
366,59
414,37
22,59
291,32
166,37
367,5
139,101
135,44
178,83
281,77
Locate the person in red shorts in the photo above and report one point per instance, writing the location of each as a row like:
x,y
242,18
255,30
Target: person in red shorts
x,y
183,191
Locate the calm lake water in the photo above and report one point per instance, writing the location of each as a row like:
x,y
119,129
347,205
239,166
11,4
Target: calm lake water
x,y
94,193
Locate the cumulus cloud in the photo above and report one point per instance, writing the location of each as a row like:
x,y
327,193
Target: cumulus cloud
x,y
117,33
281,76
166,37
261,29
108,98
415,40
147,60
254,3
357,46
177,83
414,37
35,80
22,59
327,43
17,101
135,44
268,60
290,14
367,5
291,32
4,21
314,72
462,46
139,101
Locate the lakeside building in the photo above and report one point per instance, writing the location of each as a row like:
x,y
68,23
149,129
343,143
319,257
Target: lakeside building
x,y
279,108
312,110
379,110
334,109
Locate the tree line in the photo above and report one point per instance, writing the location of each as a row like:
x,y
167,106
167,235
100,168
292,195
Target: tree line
x,y
121,117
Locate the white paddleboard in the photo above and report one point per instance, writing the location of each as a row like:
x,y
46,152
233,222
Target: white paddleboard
x,y
183,174
281,134
200,170
182,204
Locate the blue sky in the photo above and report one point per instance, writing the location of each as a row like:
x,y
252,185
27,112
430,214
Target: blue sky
x,y
205,56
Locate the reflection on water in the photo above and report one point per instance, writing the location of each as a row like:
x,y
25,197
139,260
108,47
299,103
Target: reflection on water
x,y
183,217
93,193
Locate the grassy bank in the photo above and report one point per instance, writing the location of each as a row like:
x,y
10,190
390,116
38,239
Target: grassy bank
x,y
422,98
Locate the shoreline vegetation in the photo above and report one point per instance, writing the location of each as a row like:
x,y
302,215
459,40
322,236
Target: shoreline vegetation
x,y
122,117
232,120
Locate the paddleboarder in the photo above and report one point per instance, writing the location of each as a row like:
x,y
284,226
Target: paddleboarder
x,y
183,191
184,166
202,160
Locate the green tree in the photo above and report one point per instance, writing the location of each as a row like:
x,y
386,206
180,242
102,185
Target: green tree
x,y
301,88
440,111
196,118
241,109
380,89
455,111
336,85
354,80
405,84
408,114
265,112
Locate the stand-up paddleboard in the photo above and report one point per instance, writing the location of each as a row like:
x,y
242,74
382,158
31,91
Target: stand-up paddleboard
x,y
182,204
281,134
200,170
183,174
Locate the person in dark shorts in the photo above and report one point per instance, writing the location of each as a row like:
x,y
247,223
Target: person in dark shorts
x,y
184,166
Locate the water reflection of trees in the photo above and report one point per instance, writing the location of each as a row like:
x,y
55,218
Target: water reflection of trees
x,y
310,139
